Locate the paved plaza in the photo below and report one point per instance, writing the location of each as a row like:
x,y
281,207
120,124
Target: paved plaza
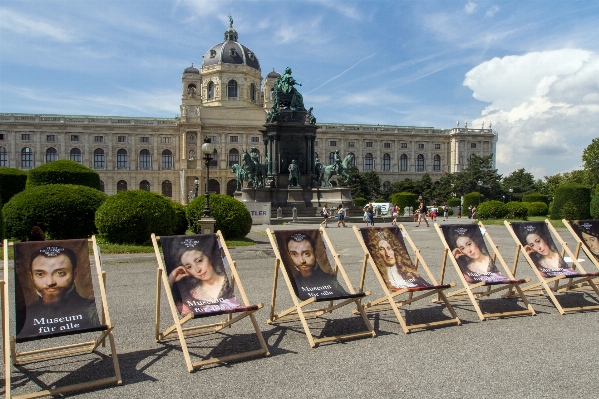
x,y
543,356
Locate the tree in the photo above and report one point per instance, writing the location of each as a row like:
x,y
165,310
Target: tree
x,y
424,187
479,169
362,185
520,181
590,159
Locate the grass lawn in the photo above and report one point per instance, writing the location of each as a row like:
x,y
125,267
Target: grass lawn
x,y
555,223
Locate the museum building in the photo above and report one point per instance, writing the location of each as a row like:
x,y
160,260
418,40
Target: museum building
x,y
227,100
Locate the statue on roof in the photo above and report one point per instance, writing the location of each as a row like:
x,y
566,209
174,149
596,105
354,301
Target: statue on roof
x,y
230,21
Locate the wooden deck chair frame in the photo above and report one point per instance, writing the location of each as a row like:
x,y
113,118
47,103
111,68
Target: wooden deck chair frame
x,y
177,330
580,245
471,290
390,301
297,312
550,285
13,356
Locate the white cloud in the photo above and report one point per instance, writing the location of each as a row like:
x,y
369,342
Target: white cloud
x,y
32,26
492,11
544,106
470,7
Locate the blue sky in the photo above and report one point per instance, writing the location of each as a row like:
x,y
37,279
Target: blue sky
x,y
529,67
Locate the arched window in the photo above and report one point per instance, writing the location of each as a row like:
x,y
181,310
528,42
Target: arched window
x,y
3,156
353,159
102,185
272,93
233,157
231,187
144,185
214,186
26,158
99,159
403,162
121,185
145,160
368,162
51,155
75,155
252,92
331,158
386,162
167,159
437,162
232,89
167,188
420,163
122,159
191,89
214,160
210,90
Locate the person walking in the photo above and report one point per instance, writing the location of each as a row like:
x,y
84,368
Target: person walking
x,y
325,215
459,211
369,214
445,212
341,215
395,213
422,209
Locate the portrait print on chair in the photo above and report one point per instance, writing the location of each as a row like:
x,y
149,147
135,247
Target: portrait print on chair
x,y
195,267
468,248
539,245
588,232
305,259
54,293
389,253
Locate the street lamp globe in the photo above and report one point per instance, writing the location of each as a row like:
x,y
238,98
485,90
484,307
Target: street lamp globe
x,y
208,147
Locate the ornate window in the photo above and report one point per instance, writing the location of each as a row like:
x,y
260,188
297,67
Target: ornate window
x,y
404,145
214,160
99,159
51,155
75,155
121,185
232,89
167,159
144,185
420,163
403,162
252,92
386,162
472,145
437,146
437,163
331,158
3,156
212,53
387,145
167,188
233,157
26,158
368,162
122,159
210,90
145,160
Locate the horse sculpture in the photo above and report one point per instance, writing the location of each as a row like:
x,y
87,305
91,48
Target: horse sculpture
x,y
329,171
239,176
253,171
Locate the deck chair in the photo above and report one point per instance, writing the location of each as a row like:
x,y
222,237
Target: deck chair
x,y
54,297
586,234
462,243
385,250
301,257
197,286
534,241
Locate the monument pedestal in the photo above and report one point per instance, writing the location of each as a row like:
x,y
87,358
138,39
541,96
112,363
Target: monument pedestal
x,y
297,196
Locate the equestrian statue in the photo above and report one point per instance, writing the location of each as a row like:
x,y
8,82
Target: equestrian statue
x,y
337,168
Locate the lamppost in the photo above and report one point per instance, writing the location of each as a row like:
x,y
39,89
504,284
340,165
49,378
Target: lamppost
x,y
208,150
511,190
480,185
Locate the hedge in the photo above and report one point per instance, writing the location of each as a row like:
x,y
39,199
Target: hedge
x,y
473,199
181,219
359,201
62,211
580,197
12,181
536,197
380,200
232,217
130,217
491,210
537,208
63,172
516,210
595,207
454,202
404,199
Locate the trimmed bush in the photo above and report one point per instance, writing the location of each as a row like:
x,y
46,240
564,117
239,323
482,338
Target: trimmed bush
x,y
12,181
232,217
516,210
130,217
454,202
62,211
537,208
595,207
491,210
578,194
181,224
536,197
359,201
404,199
569,211
473,198
379,200
63,172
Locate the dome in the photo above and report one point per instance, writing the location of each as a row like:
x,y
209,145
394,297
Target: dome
x,y
191,69
231,52
273,75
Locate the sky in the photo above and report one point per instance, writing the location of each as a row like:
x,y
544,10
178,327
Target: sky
x,y
531,68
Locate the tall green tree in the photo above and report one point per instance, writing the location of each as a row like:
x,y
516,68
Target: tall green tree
x,y
520,181
479,169
363,185
590,159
